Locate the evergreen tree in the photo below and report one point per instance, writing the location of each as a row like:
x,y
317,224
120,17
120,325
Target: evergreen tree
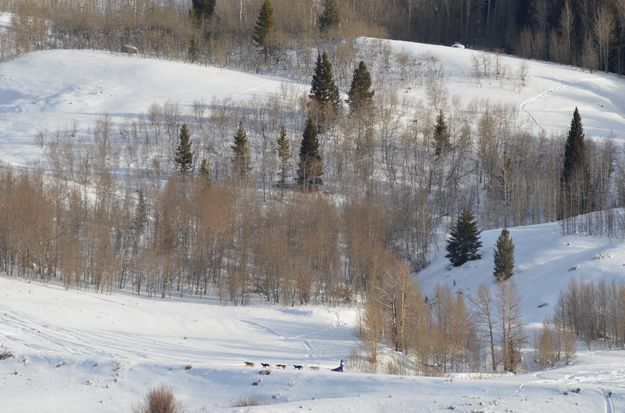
x,y
310,168
241,159
264,31
575,180
330,18
441,141
360,93
284,153
464,241
504,256
324,93
203,9
184,155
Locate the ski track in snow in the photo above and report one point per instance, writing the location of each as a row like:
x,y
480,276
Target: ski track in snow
x,y
546,93
609,406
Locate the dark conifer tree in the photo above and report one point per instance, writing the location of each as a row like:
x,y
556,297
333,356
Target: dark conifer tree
x,y
575,180
284,153
441,137
241,159
360,94
324,94
203,9
184,155
330,18
464,241
310,167
575,177
504,256
264,31
323,89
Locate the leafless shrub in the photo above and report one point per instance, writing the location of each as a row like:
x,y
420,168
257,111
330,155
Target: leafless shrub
x,y
160,400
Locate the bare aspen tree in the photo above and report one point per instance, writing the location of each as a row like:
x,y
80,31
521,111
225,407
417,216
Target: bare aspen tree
x,y
484,309
508,304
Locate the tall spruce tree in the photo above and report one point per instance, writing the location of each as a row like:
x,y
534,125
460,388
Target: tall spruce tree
x,y
575,177
360,95
265,29
184,155
324,93
330,17
284,153
203,9
241,158
464,240
441,136
323,89
310,167
504,256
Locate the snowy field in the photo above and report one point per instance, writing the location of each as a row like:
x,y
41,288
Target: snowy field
x,y
80,351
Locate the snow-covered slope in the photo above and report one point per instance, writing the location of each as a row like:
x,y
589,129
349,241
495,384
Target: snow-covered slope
x,y
50,90
545,264
77,351
547,100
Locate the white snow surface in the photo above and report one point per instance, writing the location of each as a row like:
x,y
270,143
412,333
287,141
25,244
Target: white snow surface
x,y
547,101
77,351
51,89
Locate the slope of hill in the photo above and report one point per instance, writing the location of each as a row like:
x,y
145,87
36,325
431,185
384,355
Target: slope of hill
x,y
547,99
82,351
50,90
546,262
79,351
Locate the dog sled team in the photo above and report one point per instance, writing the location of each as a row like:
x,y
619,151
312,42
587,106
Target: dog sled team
x,y
295,366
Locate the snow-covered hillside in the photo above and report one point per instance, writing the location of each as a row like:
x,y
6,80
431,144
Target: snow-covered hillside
x,y
79,351
547,100
48,90
545,264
